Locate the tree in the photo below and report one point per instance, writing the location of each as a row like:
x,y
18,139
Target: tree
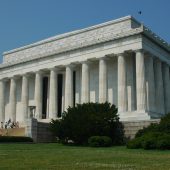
x,y
86,120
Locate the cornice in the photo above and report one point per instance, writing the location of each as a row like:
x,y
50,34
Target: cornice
x,y
147,32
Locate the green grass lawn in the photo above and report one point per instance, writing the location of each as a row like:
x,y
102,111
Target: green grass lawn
x,y
59,157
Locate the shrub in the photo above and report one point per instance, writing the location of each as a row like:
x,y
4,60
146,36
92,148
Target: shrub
x,y
149,140
151,128
152,140
155,136
100,141
135,143
8,139
163,141
89,119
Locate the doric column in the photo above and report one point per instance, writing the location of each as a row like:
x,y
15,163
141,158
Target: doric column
x,y
24,97
140,81
166,80
68,87
38,95
2,101
102,80
122,91
159,87
12,99
130,82
53,94
85,83
150,84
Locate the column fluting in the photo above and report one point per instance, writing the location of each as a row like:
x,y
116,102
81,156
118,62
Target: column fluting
x,y
85,83
2,101
102,80
122,90
38,95
24,96
140,81
166,80
68,87
159,87
130,82
150,84
12,99
53,107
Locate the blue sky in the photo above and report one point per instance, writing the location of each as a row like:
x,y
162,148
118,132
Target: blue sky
x,y
26,21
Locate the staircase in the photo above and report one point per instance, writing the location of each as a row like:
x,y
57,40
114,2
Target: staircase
x,y
131,128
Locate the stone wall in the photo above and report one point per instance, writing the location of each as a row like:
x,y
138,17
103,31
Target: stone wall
x,y
131,127
39,131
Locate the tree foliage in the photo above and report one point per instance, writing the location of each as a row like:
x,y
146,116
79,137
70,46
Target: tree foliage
x,y
155,136
89,119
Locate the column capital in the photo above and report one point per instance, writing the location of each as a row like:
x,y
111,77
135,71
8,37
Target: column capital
x,y
157,60
38,72
139,50
25,75
4,79
120,54
14,77
86,62
165,64
54,69
103,58
71,66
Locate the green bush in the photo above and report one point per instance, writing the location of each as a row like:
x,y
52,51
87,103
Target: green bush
x,y
163,142
135,143
100,141
9,139
149,140
153,127
155,136
79,123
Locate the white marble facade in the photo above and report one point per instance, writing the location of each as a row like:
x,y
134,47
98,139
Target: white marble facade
x,y
120,61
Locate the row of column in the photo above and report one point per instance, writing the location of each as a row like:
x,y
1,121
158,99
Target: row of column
x,y
53,108
157,87
152,85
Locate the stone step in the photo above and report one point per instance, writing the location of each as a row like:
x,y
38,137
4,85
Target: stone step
x,y
131,128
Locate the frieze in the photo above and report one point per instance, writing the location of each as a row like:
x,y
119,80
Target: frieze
x,y
78,39
107,37
68,41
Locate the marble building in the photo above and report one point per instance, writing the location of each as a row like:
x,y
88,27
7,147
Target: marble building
x,y
120,61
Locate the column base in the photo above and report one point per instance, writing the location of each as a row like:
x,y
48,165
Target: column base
x,y
138,115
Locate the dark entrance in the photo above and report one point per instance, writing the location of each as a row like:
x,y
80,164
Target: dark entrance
x,y
74,88
44,97
59,92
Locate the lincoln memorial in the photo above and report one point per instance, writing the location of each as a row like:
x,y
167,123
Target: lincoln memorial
x,y
120,61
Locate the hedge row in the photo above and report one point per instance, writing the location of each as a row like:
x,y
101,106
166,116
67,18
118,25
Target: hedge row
x,y
9,139
153,140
